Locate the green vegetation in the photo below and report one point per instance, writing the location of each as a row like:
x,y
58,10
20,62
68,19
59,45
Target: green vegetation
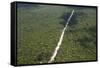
x,y
39,29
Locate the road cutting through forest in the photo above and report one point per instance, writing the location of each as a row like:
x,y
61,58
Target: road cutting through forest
x,y
61,38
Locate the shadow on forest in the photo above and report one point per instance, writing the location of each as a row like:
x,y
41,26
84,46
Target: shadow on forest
x,y
42,55
73,20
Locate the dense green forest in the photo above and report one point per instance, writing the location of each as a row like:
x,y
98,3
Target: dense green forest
x,y
39,29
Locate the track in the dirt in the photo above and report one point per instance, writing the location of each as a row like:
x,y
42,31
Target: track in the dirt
x,y
60,39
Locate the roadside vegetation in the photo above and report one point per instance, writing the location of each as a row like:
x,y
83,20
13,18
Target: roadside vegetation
x,y
39,29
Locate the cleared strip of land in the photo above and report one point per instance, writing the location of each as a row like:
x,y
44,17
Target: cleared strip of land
x,y
60,39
